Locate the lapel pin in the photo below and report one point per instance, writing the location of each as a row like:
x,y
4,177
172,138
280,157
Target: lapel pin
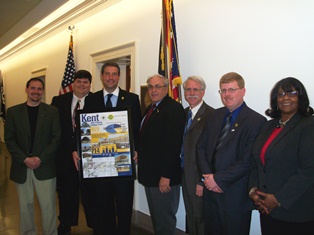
x,y
236,125
157,110
198,119
122,98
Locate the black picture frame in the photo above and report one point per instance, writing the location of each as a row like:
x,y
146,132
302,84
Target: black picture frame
x,y
105,144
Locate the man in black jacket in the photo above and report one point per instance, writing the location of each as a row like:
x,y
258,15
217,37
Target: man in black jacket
x,y
159,167
67,177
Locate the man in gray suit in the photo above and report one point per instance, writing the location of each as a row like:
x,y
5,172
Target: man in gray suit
x,y
32,136
192,187
223,158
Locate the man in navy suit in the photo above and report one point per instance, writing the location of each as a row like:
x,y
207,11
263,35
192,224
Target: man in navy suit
x,y
67,176
113,199
223,159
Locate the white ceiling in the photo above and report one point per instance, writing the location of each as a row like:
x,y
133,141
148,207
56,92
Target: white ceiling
x,y
27,21
18,16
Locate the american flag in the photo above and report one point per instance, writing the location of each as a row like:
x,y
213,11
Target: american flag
x,y
168,57
68,76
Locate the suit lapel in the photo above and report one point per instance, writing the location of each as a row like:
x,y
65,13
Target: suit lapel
x,y
236,126
121,98
25,122
40,119
155,113
290,125
199,115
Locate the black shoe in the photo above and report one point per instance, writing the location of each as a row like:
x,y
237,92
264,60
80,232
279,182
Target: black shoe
x,y
63,229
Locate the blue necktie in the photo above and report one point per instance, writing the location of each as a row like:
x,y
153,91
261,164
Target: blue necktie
x,y
187,125
108,103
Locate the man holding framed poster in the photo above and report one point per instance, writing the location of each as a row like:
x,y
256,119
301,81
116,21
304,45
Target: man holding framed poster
x,y
113,198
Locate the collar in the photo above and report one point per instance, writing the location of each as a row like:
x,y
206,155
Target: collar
x,y
115,92
235,113
196,108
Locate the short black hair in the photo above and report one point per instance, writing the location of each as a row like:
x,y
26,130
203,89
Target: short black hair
x,y
113,64
37,80
289,84
83,74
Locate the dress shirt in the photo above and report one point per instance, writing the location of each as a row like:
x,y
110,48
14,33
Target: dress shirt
x,y
234,114
74,102
195,109
114,97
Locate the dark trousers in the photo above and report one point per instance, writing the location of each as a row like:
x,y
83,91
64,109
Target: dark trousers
x,y
69,188
222,219
163,208
68,195
114,203
271,226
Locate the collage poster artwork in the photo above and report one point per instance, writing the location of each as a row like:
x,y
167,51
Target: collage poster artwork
x,y
105,144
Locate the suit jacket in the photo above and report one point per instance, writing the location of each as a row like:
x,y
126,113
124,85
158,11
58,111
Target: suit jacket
x,y
233,157
160,144
125,99
189,141
46,142
289,169
64,103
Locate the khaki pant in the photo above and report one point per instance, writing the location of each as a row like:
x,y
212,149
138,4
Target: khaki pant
x,y
46,194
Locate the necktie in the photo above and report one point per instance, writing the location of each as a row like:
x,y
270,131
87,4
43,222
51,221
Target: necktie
x,y
77,107
108,102
224,131
149,113
187,125
188,122
222,135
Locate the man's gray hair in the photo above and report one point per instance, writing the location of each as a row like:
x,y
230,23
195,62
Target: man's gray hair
x,y
166,81
197,79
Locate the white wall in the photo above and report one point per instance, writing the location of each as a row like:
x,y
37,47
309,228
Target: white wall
x,y
262,40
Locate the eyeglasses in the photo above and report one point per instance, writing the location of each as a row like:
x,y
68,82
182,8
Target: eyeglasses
x,y
288,93
156,87
192,89
230,90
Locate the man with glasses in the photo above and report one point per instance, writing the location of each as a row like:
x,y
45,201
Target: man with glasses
x,y
223,158
159,155
113,198
192,187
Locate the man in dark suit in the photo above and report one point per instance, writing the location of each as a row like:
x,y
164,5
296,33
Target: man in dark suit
x,y
32,136
68,185
113,199
192,187
159,155
223,159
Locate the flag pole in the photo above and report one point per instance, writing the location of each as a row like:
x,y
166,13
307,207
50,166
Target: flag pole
x,y
68,76
168,58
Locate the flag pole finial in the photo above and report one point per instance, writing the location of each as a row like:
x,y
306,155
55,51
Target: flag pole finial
x,y
71,28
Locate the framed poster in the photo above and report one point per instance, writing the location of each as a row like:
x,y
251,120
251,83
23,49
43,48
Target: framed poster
x,y
105,144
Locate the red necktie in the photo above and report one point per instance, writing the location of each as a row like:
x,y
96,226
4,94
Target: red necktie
x,y
149,113
77,107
